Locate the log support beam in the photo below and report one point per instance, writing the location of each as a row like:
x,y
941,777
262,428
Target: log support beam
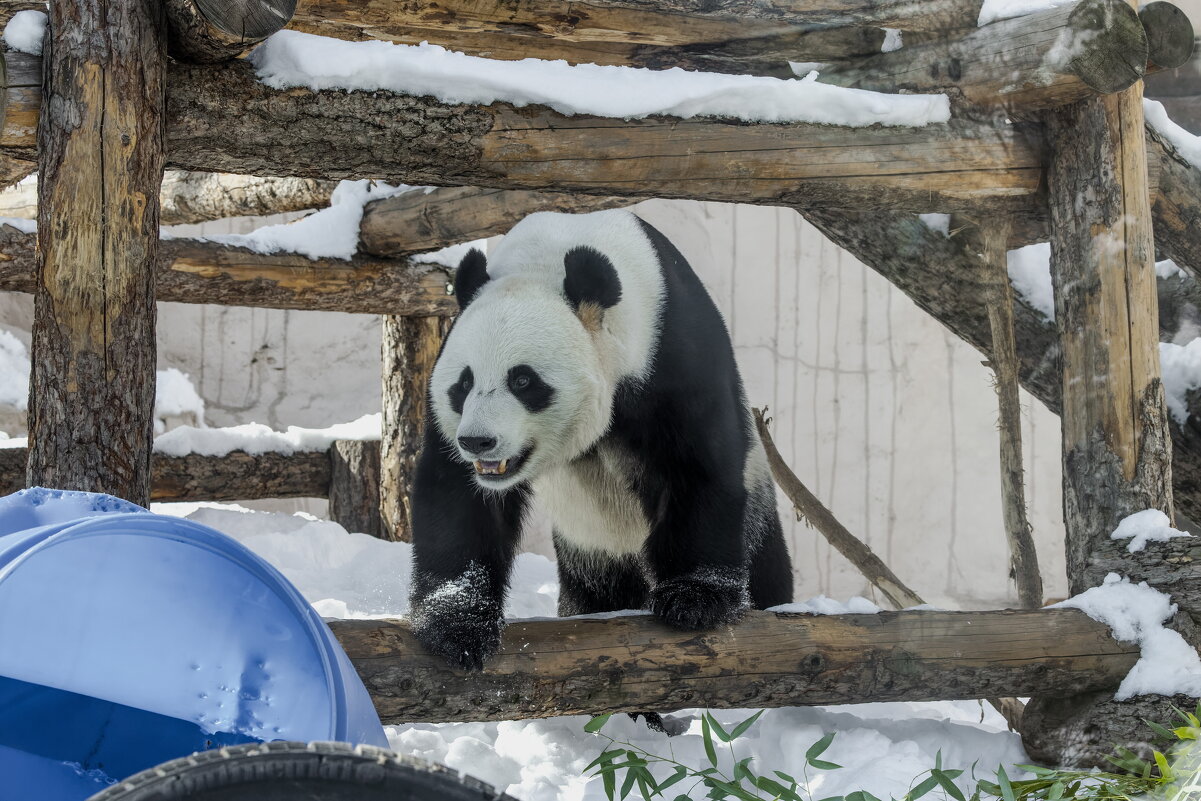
x,y
354,486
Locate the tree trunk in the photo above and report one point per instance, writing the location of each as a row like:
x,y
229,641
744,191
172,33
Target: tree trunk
x,y
590,665
203,31
354,488
1041,60
410,348
100,143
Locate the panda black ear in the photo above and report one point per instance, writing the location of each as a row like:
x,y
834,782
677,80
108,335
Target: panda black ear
x,y
471,275
591,278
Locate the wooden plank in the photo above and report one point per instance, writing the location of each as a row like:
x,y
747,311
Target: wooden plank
x,y
586,665
101,160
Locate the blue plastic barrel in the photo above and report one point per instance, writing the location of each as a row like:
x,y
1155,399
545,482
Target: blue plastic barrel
x,y
129,638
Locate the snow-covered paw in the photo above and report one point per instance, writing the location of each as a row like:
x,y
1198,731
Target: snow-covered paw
x,y
693,602
466,644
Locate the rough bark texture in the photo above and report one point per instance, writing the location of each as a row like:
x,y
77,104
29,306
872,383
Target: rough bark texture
x,y
354,488
237,476
1177,206
815,513
100,143
1076,724
203,31
196,197
1169,34
1036,61
577,666
410,348
416,221
191,271
20,104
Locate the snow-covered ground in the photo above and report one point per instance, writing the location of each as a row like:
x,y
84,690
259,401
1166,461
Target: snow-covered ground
x,y
881,747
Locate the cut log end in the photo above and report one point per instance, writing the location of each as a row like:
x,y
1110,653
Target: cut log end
x,y
1169,35
1107,47
207,31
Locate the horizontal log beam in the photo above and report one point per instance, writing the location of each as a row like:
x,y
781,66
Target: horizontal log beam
x,y
192,271
237,476
585,665
1037,61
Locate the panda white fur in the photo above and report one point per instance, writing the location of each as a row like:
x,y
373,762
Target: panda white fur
x,y
589,367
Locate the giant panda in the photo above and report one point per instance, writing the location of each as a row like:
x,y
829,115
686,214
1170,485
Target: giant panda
x,y
589,368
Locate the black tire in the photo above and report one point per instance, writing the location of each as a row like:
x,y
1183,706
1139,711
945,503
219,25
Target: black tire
x,y
283,771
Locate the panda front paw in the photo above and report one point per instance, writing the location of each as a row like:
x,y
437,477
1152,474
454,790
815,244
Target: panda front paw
x,y
463,644
692,602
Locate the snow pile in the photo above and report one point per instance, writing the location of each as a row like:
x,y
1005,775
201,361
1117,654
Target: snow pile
x,y
1181,369
1187,145
1149,525
291,59
331,233
937,222
993,10
892,40
21,224
25,31
1167,269
452,255
821,605
1136,613
1030,273
175,397
14,372
256,438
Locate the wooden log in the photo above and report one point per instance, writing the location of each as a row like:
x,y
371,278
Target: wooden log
x,y
196,197
410,348
220,119
21,104
587,665
192,271
1169,35
1042,60
205,31
237,476
354,486
100,155
415,221
1177,205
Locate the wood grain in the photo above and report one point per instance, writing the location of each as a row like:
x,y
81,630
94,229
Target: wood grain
x,y
205,31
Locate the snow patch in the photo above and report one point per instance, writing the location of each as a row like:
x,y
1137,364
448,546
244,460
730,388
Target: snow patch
x,y
176,397
20,223
1135,613
14,372
994,10
452,255
256,438
1167,269
25,31
821,605
937,222
291,59
1030,273
1187,145
1180,366
892,40
1149,525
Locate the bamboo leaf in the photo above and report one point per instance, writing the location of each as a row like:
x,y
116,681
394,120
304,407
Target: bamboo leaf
x,y
818,748
628,784
742,727
822,764
707,736
948,784
1006,785
595,725
610,779
721,733
677,776
924,787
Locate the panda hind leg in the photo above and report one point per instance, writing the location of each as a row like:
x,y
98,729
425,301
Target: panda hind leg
x,y
590,583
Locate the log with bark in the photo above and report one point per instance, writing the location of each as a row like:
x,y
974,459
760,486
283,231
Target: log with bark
x,y
1169,35
1041,60
100,155
354,486
592,665
203,31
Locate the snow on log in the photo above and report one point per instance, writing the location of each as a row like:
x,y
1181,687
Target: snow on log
x,y
590,665
1041,60
196,197
195,271
203,31
1169,35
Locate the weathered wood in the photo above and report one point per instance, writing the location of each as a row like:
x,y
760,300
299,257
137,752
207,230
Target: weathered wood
x,y
191,271
100,155
585,665
203,31
1169,34
22,98
354,487
1042,60
815,513
417,221
410,348
196,197
237,476
1177,205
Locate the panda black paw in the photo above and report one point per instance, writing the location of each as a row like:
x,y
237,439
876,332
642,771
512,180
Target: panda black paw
x,y
691,602
463,644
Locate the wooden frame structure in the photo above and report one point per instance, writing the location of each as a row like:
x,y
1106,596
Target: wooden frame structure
x,y
1078,167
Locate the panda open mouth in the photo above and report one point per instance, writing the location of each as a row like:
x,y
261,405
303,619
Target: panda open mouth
x,y
505,468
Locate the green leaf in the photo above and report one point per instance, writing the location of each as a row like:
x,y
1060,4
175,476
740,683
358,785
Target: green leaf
x,y
610,780
679,775
731,789
1056,792
741,728
822,764
1160,731
771,785
791,780
642,788
721,733
818,748
1185,733
1006,785
1162,763
924,787
742,772
606,756
681,797
948,784
594,725
628,784
861,795
707,735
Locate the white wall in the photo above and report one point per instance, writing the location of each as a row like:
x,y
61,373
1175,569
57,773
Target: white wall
x,y
887,417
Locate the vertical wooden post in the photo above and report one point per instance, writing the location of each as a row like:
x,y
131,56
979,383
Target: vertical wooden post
x,y
411,346
100,160
1116,444
354,486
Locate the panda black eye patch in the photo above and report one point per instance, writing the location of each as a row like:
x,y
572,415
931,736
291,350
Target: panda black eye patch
x,y
458,391
529,388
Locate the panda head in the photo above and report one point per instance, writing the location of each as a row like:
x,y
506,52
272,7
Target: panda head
x,y
519,387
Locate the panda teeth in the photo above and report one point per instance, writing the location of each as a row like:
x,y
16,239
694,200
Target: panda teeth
x,y
504,465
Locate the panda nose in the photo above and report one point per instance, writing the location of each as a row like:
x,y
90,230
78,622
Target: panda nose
x,y
477,445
